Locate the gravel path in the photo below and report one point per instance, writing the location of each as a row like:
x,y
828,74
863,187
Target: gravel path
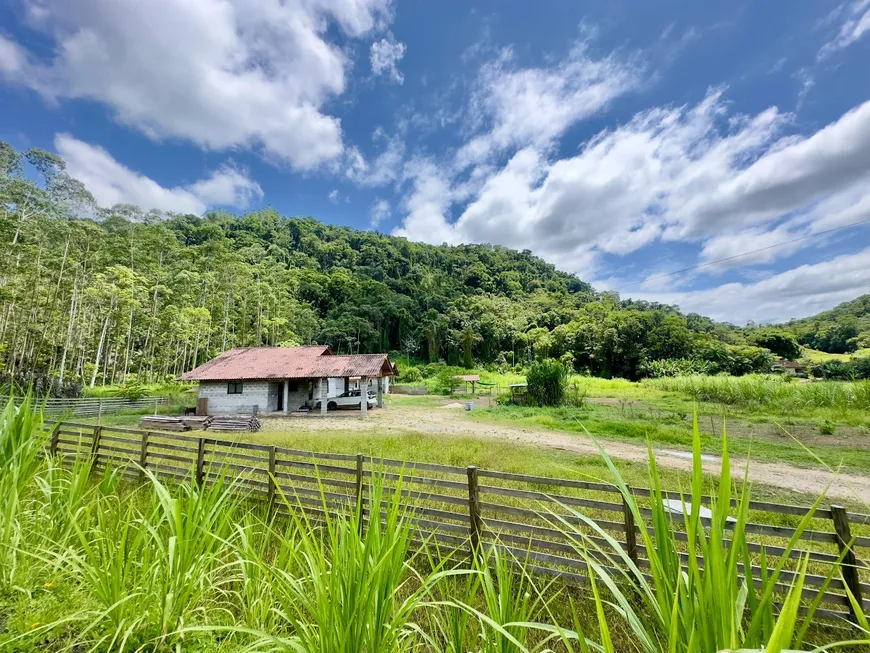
x,y
451,419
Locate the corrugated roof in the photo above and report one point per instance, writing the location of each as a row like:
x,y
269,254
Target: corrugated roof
x,y
313,361
352,365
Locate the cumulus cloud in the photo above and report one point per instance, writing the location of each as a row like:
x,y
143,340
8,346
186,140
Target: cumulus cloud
x,y
217,73
854,22
682,174
333,196
113,183
385,57
802,291
386,166
380,211
514,107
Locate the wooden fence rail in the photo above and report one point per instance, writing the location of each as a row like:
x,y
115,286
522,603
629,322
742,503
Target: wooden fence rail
x,y
462,508
93,406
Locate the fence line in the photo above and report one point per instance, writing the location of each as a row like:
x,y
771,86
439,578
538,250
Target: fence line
x,y
92,406
466,507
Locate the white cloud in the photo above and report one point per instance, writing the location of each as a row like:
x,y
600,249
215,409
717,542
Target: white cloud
x,y
426,206
684,174
333,196
218,73
514,107
799,292
386,166
380,211
855,23
113,183
385,57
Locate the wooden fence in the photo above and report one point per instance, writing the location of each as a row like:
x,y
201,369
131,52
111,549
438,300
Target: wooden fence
x,y
462,507
93,406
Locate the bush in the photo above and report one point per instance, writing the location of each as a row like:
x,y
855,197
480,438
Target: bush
x,y
547,381
432,369
446,381
575,396
827,428
678,367
411,375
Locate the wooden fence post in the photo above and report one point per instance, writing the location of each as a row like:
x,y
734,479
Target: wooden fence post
x,y
53,441
143,453
359,492
475,523
200,462
850,562
273,489
95,445
630,533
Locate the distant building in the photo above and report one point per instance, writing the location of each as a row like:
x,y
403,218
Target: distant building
x,y
791,367
280,380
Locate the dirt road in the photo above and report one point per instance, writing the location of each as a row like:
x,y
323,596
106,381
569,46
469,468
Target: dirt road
x,y
451,419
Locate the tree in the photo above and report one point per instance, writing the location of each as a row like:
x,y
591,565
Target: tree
x,y
780,342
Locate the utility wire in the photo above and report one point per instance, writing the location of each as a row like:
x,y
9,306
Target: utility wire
x,y
754,251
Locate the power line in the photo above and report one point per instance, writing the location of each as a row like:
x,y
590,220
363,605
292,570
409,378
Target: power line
x,y
754,251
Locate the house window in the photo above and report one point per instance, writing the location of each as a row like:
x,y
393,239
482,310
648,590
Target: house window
x,y
292,386
234,388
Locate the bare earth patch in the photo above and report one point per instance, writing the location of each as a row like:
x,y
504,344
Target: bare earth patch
x,y
401,419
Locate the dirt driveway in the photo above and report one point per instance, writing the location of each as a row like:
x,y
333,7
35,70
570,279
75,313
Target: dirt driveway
x,y
451,419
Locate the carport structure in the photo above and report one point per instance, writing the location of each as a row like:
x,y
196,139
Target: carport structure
x,y
270,380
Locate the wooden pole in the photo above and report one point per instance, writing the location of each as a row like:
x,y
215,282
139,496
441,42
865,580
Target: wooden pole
x,y
359,491
273,489
475,522
95,444
630,533
200,462
143,453
849,565
55,436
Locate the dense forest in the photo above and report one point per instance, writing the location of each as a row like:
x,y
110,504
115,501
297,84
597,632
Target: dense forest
x,y
842,330
92,295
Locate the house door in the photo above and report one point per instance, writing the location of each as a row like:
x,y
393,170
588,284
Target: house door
x,y
280,396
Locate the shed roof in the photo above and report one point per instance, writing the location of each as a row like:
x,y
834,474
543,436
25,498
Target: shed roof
x,y
308,362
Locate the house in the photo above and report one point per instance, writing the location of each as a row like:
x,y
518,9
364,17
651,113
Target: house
x,y
790,367
279,380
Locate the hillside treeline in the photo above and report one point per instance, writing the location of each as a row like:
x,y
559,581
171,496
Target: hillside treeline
x,y
90,295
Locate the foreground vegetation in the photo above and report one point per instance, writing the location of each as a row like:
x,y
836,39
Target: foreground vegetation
x,y
91,563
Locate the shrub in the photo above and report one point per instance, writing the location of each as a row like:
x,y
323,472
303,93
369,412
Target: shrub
x,y
678,367
447,382
827,428
547,381
411,375
432,369
575,395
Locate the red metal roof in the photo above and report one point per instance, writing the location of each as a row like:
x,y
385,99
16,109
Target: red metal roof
x,y
313,361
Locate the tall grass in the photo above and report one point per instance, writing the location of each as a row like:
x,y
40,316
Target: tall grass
x,y
162,567
693,597
771,391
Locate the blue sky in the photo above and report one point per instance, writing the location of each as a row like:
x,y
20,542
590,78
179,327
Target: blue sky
x,y
620,140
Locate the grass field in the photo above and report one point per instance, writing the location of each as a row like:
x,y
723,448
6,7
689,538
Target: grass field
x,y
90,563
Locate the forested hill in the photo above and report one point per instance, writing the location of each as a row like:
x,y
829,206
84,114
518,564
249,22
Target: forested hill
x,y
90,295
843,329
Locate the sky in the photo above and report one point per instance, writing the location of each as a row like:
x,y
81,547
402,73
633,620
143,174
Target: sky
x,y
622,141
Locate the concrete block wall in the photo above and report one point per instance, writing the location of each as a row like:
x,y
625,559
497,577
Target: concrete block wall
x,y
254,393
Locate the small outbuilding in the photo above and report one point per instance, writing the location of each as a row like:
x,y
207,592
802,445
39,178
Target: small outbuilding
x,y
281,380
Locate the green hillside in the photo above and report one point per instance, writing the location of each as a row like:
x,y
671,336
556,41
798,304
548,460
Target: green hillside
x,y
92,296
844,329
